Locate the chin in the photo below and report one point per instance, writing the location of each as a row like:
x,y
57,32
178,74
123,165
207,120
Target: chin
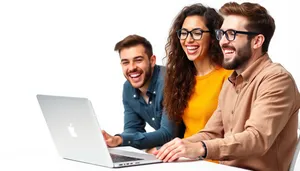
x,y
136,85
192,58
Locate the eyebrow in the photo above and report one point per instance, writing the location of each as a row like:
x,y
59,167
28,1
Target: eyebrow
x,y
136,57
183,28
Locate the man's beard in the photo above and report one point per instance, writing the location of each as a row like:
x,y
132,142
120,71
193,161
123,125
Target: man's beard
x,y
242,57
147,76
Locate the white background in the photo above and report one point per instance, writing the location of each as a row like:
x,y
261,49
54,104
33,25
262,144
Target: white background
x,y
65,47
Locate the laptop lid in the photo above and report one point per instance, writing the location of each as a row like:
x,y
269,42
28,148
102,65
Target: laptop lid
x,y
77,135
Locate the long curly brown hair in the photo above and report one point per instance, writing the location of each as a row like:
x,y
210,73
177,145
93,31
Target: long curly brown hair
x,y
180,74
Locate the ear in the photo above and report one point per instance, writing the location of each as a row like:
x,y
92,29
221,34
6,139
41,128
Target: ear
x,y
258,41
153,60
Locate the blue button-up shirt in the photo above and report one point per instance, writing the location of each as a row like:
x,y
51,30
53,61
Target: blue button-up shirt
x,y
137,112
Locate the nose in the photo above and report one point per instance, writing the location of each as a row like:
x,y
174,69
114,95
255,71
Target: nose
x,y
189,37
131,66
223,40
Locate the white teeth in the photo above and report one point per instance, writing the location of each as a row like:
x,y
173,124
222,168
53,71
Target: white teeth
x,y
228,51
191,51
134,75
192,47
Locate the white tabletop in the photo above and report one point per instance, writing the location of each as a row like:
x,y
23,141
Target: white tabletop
x,y
49,161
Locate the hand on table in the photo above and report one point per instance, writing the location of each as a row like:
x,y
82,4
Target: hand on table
x,y
177,148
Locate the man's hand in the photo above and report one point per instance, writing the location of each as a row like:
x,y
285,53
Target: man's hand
x,y
112,141
177,148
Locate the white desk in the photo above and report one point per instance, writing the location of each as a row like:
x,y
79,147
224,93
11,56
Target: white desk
x,y
57,164
39,160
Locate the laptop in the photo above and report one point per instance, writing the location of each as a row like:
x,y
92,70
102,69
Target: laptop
x,y
77,135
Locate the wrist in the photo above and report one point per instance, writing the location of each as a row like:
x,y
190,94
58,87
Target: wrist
x,y
204,149
119,139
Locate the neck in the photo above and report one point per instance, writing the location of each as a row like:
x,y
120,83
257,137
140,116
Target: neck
x,y
146,85
144,88
253,58
203,66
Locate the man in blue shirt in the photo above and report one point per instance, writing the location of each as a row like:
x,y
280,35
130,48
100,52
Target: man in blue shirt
x,y
142,97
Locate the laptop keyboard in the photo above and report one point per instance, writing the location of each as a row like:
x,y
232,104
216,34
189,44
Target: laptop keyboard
x,y
120,158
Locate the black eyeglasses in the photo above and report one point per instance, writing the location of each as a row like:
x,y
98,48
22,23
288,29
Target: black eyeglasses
x,y
230,34
196,33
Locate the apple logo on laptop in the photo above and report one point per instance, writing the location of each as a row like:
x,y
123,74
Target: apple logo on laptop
x,y
72,131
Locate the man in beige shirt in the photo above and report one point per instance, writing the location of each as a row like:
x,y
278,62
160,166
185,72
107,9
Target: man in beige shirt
x,y
255,124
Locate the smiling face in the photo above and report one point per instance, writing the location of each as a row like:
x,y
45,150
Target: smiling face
x,y
195,49
237,52
137,66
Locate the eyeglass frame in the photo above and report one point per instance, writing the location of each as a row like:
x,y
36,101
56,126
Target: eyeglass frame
x,y
234,35
190,32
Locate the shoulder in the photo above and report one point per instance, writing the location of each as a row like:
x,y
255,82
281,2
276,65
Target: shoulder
x,y
276,80
127,84
127,88
275,71
162,72
224,72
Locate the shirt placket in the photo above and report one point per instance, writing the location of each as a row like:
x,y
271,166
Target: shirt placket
x,y
238,86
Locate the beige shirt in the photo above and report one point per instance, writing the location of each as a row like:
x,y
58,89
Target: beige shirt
x,y
255,124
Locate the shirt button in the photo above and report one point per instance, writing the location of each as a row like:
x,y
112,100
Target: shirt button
x,y
129,142
150,102
154,92
153,119
134,95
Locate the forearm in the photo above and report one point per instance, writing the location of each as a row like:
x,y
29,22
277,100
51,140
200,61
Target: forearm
x,y
198,137
245,144
143,140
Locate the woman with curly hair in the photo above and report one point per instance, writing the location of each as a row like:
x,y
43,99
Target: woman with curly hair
x,y
194,75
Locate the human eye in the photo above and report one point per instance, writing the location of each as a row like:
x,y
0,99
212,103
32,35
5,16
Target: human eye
x,y
139,59
230,32
197,33
124,62
183,33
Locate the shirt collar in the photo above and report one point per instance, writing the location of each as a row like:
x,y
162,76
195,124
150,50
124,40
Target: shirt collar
x,y
253,70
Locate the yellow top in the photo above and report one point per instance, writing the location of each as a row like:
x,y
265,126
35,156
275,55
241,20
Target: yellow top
x,y
204,100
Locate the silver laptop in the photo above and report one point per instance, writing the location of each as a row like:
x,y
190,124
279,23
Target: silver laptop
x,y
77,135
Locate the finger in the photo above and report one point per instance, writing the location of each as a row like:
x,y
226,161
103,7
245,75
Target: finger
x,y
164,147
175,157
109,142
172,153
162,150
167,152
105,135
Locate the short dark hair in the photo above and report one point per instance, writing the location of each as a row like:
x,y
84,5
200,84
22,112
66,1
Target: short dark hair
x,y
259,19
133,40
